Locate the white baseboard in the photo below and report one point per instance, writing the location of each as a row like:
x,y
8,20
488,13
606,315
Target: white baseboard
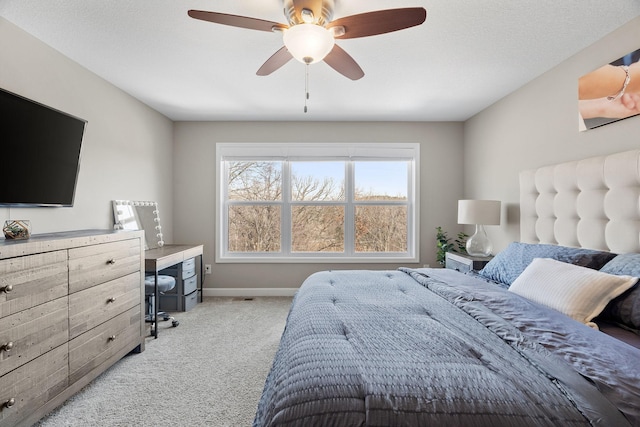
x,y
249,292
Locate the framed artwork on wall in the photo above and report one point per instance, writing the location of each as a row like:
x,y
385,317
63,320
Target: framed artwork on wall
x,y
610,93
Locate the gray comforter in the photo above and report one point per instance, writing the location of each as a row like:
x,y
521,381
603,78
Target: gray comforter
x,y
434,347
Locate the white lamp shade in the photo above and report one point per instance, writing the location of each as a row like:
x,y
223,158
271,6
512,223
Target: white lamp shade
x,y
308,43
484,212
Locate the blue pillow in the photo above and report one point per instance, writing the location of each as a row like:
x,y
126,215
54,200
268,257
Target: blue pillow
x,y
624,309
508,264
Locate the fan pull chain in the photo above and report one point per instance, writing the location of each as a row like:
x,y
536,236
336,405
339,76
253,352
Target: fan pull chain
x,y
306,86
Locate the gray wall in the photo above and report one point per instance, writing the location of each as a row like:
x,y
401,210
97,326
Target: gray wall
x,y
195,180
538,125
127,146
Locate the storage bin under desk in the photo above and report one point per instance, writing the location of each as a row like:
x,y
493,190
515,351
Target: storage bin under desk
x,y
184,296
178,302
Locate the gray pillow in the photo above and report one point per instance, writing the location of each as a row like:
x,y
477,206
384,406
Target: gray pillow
x,y
510,263
624,309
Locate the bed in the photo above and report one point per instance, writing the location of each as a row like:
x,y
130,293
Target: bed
x,y
546,334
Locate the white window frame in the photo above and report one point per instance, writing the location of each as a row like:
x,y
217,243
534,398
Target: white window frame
x,y
349,152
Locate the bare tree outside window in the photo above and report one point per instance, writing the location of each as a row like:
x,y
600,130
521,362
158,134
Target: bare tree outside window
x,y
254,227
317,181
315,225
317,228
381,228
255,181
317,206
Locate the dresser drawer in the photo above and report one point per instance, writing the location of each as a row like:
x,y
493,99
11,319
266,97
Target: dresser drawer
x,y
32,280
32,332
33,384
88,351
96,305
92,265
88,280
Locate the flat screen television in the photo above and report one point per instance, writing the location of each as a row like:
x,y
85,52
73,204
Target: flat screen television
x,y
40,153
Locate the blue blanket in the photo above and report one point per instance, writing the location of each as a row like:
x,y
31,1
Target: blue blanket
x,y
431,347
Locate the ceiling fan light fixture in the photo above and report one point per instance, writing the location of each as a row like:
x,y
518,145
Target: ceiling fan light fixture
x,y
307,16
308,43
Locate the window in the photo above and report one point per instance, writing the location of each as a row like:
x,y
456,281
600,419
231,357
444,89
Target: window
x,y
317,202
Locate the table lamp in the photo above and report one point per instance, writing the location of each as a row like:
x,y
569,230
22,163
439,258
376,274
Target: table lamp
x,y
479,213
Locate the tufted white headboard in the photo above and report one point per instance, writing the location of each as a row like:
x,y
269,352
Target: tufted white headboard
x,y
592,203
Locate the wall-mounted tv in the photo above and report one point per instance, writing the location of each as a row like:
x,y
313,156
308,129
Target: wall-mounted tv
x,y
40,153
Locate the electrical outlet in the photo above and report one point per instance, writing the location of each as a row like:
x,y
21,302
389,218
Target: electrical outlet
x,y
207,269
426,266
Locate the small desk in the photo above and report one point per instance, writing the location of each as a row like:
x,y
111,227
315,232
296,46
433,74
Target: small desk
x,y
160,258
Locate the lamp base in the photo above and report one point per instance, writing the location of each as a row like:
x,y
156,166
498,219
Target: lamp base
x,y
479,244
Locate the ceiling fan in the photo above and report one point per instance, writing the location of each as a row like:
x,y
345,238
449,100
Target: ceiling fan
x,y
310,35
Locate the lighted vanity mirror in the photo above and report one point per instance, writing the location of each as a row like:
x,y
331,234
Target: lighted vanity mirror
x,y
139,215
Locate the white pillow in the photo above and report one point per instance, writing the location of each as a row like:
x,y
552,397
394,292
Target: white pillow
x,y
579,292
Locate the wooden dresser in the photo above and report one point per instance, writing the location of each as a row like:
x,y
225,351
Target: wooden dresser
x,y
71,305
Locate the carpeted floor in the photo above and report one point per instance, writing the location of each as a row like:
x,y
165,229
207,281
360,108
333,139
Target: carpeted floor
x,y
209,371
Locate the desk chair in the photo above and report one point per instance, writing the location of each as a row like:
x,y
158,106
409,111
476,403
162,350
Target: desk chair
x,y
165,283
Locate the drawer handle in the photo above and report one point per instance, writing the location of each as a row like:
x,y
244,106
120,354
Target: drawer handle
x,y
7,347
111,261
112,338
6,289
9,403
112,299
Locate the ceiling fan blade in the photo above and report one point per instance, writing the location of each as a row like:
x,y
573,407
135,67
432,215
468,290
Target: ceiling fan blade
x,y
235,20
314,6
379,22
343,63
276,61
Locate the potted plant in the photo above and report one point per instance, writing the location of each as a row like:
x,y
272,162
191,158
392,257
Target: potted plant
x,y
444,244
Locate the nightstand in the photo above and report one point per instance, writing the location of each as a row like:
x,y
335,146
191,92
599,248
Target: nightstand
x,y
464,262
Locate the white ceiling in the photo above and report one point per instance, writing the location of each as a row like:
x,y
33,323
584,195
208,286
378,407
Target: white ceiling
x,y
467,55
